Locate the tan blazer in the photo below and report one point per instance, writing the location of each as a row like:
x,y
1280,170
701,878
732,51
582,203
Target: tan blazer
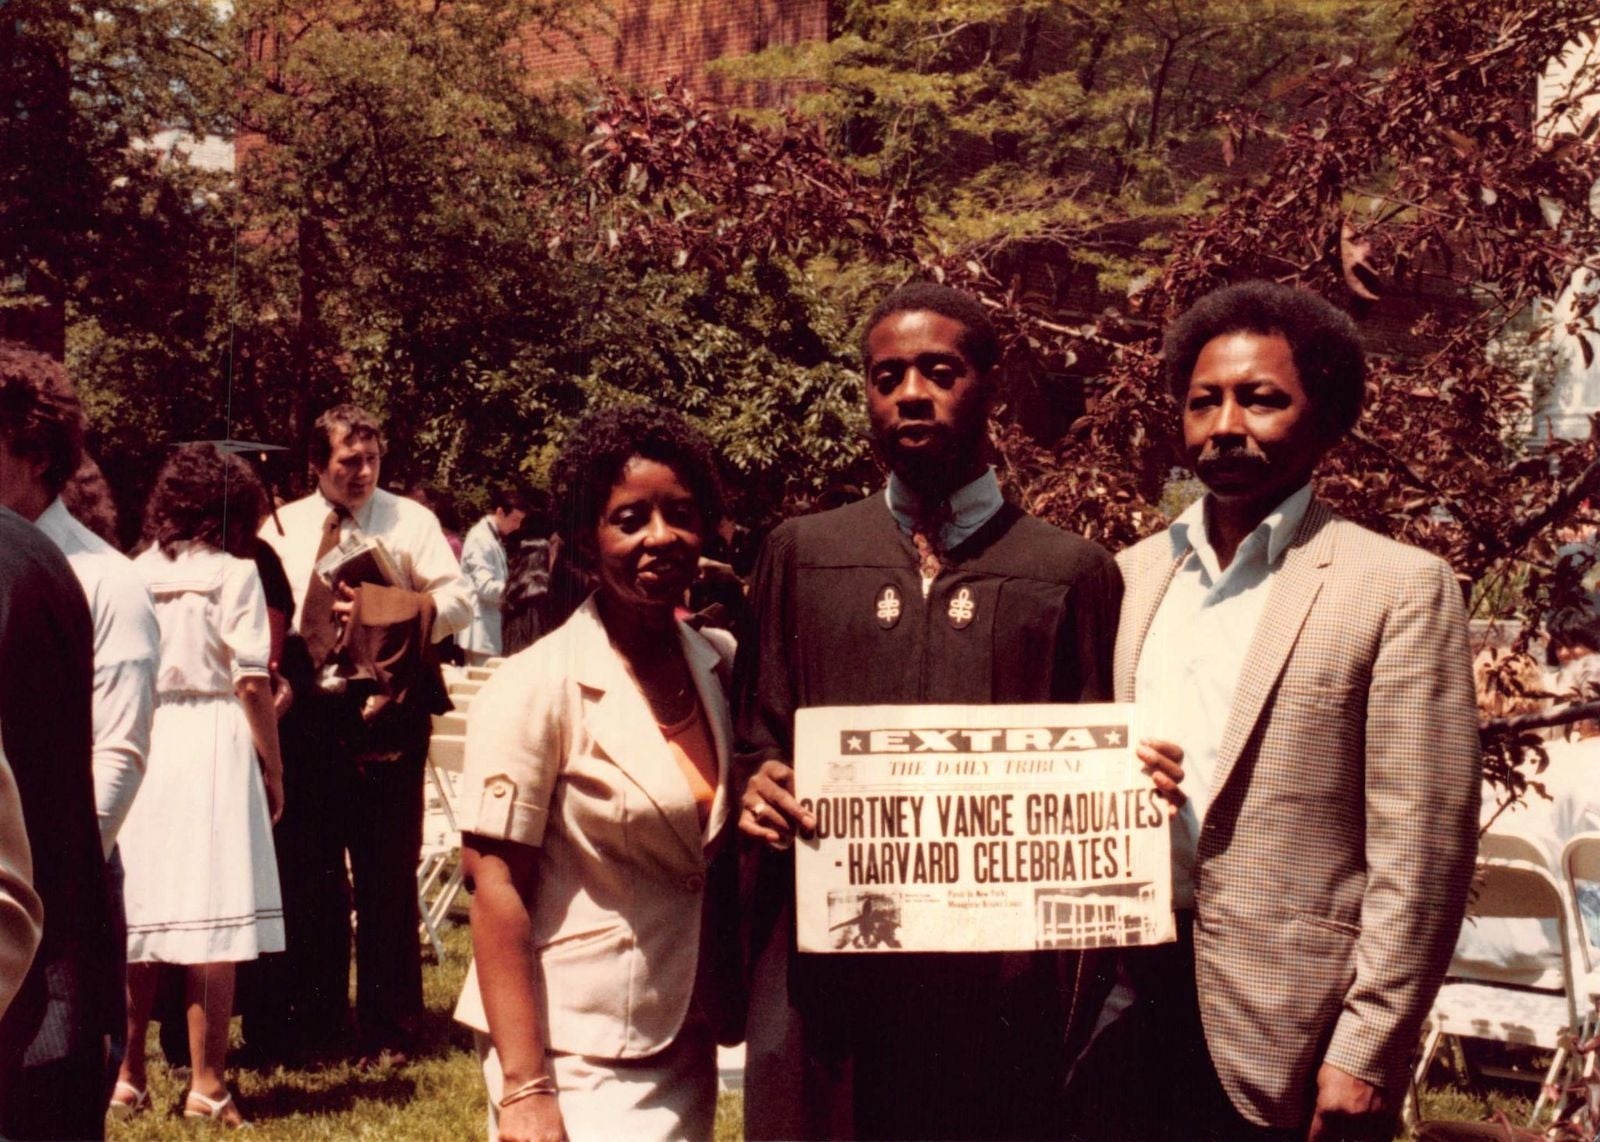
x,y
564,753
1334,860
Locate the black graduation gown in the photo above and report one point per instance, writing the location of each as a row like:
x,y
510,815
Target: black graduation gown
x,y
907,1045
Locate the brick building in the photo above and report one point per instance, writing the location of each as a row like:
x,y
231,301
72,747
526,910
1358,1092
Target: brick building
x,y
647,41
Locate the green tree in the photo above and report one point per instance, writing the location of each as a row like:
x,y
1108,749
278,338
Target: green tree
x,y
704,226
1033,120
82,86
392,160
111,245
414,225
422,229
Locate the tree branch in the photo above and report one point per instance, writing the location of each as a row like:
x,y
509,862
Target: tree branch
x,y
1543,719
1565,501
1445,499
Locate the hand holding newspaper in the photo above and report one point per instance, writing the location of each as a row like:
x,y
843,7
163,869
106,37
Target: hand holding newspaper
x,y
978,828
360,559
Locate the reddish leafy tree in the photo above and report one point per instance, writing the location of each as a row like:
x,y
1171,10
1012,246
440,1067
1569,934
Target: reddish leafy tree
x,y
1434,203
1431,202
672,180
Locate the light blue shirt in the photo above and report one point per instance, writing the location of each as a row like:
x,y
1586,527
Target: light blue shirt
x,y
971,506
1195,651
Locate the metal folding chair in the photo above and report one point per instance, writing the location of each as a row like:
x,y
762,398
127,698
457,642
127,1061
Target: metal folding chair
x,y
1580,864
439,872
1474,1009
1509,846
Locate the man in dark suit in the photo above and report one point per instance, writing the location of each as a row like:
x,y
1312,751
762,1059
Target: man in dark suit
x,y
54,1080
53,1075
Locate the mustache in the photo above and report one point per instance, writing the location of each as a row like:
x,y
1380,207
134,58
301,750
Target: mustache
x,y
1234,459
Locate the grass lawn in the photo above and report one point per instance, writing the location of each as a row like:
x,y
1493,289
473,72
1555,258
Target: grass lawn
x,y
439,1095
436,1097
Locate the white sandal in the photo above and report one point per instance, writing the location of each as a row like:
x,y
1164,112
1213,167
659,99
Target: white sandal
x,y
214,1110
117,1108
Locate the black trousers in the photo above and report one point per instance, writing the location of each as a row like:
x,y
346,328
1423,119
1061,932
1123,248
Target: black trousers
x,y
64,1099
298,1000
1148,1074
336,805
384,838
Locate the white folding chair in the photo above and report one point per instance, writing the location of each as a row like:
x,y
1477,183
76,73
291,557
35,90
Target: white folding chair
x,y
1580,863
1505,1013
463,692
439,872
1510,846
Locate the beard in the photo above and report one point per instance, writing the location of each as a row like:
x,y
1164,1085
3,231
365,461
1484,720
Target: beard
x,y
942,464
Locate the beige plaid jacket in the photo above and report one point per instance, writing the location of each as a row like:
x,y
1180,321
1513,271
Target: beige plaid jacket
x,y
1334,860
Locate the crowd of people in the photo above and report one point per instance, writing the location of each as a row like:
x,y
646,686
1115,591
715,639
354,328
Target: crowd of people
x,y
205,739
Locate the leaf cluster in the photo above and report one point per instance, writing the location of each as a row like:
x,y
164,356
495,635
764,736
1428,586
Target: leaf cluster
x,y
1012,118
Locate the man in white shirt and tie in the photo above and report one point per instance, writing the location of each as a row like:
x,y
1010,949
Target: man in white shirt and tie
x,y
377,810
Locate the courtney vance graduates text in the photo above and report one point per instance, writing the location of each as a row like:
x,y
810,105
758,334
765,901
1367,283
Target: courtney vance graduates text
x,y
977,828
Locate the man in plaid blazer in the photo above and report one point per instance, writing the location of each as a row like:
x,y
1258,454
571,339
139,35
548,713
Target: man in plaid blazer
x,y
1317,677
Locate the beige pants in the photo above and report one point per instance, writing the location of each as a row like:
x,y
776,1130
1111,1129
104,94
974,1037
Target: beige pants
x,y
671,1095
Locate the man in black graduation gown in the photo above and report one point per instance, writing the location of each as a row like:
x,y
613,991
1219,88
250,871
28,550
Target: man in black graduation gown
x,y
934,591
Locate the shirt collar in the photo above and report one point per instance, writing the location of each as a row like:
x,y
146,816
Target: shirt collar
x,y
62,528
362,515
53,520
971,506
1266,544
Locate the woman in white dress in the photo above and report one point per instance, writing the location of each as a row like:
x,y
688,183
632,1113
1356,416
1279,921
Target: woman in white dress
x,y
202,878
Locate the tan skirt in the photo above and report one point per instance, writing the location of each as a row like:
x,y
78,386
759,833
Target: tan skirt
x,y
671,1095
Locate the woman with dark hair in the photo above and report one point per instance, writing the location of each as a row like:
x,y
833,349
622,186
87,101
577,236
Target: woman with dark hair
x,y
202,879
596,794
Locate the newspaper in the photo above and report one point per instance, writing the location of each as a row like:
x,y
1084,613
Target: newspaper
x,y
977,828
360,559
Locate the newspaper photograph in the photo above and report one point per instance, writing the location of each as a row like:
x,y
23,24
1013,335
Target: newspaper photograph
x,y
977,829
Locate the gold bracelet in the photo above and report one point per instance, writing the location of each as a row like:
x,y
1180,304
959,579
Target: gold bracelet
x,y
544,1084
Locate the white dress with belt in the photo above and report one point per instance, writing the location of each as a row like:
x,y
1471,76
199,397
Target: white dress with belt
x,y
202,876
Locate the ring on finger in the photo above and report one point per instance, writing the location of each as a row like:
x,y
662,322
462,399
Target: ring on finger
x,y
758,809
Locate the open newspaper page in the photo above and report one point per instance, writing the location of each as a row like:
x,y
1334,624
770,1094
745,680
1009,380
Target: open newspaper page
x,y
978,829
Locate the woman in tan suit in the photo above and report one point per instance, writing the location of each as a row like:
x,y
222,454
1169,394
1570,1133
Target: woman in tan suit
x,y
594,799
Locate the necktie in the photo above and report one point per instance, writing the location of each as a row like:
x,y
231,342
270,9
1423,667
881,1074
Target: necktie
x,y
317,624
927,558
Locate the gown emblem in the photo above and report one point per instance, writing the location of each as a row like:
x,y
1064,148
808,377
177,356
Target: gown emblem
x,y
888,606
963,609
